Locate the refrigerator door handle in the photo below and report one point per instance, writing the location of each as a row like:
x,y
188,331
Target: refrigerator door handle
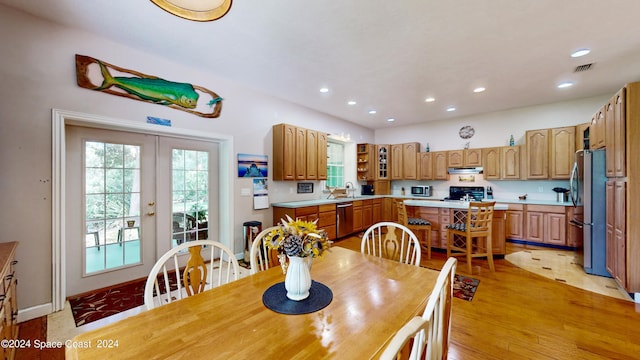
x,y
573,184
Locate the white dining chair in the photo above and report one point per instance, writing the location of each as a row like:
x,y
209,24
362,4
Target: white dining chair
x,y
430,334
382,240
172,279
260,256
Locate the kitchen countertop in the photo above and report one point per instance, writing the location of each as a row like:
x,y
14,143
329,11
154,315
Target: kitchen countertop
x,y
316,202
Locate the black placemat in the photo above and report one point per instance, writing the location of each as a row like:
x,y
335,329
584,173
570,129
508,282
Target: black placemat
x,y
275,298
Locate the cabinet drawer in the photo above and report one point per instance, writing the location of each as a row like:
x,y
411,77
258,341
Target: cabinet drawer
x,y
328,207
307,210
546,208
516,206
327,218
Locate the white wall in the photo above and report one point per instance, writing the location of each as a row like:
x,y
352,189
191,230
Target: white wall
x,y
37,66
494,129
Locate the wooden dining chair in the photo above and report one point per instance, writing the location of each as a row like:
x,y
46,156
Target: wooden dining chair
x,y
471,237
382,240
429,332
172,279
417,225
260,256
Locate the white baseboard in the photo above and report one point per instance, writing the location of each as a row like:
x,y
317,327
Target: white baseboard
x,y
636,298
34,312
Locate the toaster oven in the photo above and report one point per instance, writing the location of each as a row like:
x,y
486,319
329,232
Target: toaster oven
x,y
424,190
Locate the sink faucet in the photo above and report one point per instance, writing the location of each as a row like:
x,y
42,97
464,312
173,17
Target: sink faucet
x,y
350,187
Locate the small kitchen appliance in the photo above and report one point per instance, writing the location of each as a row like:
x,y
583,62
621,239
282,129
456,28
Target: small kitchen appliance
x,y
423,190
367,190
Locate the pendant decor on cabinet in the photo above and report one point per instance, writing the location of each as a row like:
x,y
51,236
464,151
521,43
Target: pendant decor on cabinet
x,y
101,76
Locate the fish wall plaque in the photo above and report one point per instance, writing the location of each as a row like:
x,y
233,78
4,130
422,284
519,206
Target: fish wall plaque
x,y
98,75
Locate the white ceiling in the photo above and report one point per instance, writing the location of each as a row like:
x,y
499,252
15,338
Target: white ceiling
x,y
386,55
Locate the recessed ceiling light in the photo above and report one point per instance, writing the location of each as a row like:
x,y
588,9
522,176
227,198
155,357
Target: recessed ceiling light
x,y
565,84
479,90
391,119
324,90
451,108
372,112
352,102
580,52
429,99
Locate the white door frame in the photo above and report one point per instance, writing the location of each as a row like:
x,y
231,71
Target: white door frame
x,y
61,118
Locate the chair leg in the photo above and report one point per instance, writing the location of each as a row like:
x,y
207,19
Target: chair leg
x,y
469,250
490,254
428,243
449,243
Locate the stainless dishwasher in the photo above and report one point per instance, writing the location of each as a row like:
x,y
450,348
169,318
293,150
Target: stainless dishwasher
x,y
344,219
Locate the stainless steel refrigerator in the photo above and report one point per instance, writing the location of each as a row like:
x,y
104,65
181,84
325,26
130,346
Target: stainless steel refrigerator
x,y
588,189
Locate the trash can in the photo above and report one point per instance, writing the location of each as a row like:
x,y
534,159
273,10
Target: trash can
x,y
250,230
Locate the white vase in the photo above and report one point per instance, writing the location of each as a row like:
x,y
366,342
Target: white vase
x,y
298,278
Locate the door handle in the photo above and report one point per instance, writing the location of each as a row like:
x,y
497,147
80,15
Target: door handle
x,y
152,203
151,213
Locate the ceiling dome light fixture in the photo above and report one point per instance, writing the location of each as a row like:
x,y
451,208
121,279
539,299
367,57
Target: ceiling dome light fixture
x,y
391,119
429,99
352,102
479,89
451,108
565,84
324,90
580,52
372,112
196,10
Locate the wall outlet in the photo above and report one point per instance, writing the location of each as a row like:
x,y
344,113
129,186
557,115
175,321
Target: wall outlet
x,y
540,189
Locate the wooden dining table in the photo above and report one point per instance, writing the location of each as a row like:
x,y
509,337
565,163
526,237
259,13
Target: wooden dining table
x,y
372,299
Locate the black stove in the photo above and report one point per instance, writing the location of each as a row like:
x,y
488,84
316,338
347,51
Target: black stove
x,y
458,192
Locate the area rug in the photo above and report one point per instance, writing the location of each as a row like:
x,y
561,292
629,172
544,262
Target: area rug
x,y
465,287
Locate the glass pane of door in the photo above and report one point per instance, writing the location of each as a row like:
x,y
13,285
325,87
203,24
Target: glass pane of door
x,y
112,206
190,195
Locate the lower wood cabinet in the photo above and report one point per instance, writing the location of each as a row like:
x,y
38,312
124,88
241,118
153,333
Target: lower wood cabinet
x,y
8,298
327,219
547,224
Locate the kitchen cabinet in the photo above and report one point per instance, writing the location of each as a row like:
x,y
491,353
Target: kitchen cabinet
x,y
357,216
616,230
440,171
574,233
367,214
455,158
397,161
381,187
546,224
597,134
365,165
580,129
537,154
362,215
383,162
325,214
298,153
472,157
511,162
377,210
492,163
515,222
425,166
615,143
8,297
550,153
562,147
327,219
409,164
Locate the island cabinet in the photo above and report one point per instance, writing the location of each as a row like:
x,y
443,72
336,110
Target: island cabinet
x,y
299,153
8,298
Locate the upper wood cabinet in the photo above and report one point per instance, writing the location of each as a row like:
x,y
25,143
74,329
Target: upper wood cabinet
x,y
425,166
397,161
550,153
580,129
472,157
615,122
562,147
383,162
492,165
511,160
597,131
409,164
455,158
537,154
440,165
298,153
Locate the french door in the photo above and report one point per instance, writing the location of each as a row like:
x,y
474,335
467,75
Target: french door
x,y
130,197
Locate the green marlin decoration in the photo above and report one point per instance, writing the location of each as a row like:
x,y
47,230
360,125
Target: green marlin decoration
x,y
181,96
153,89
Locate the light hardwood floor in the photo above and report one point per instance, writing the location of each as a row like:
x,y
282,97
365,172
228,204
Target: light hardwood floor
x,y
516,314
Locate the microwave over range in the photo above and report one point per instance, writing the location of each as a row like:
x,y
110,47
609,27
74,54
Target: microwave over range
x,y
424,190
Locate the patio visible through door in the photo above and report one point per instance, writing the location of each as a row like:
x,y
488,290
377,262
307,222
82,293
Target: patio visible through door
x,y
130,197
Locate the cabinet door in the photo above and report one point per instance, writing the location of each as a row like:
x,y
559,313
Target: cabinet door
x,y
562,147
321,154
597,131
510,158
382,162
537,154
425,166
556,229
312,154
397,163
455,158
440,165
367,214
284,142
409,168
491,163
515,224
301,153
535,226
620,232
357,218
619,147
377,211
611,246
472,157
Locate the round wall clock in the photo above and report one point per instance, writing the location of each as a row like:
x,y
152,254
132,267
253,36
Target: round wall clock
x,y
466,132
